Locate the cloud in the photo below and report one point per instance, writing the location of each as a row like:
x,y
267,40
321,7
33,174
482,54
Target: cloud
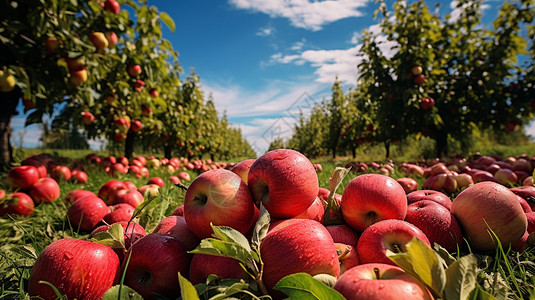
x,y
303,13
456,11
266,31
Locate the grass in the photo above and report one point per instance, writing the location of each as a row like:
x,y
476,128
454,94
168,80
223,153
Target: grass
x,y
504,274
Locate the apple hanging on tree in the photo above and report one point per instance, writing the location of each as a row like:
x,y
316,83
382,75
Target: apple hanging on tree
x,y
98,39
87,118
427,103
134,70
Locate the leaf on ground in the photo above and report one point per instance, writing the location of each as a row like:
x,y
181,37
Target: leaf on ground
x,y
118,292
187,290
304,286
461,278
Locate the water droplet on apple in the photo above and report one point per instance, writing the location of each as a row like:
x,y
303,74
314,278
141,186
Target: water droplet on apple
x,y
381,286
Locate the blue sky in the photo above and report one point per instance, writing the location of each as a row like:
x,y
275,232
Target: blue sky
x,y
263,60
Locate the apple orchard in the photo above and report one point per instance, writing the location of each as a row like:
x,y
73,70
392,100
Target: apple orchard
x,y
188,210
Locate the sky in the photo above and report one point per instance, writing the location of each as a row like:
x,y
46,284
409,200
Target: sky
x,y
263,61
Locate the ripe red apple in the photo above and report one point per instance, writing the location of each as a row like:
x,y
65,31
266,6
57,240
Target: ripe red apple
x,y
179,211
45,190
87,117
315,211
157,181
74,195
506,177
118,213
52,45
86,213
22,177
347,256
184,176
146,110
489,205
441,182
420,79
432,195
176,226
112,6
129,196
427,103
380,281
527,193
132,232
242,168
119,137
122,123
203,265
301,246
174,180
134,70
41,168
220,197
112,39
79,176
98,39
370,198
408,184
78,269
136,126
78,77
17,204
153,93
138,85
61,172
108,190
437,222
285,181
392,234
155,261
343,234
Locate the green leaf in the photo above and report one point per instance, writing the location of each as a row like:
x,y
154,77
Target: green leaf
x,y
168,21
229,234
332,214
113,237
118,292
422,262
187,290
227,292
481,294
261,228
304,286
217,247
461,278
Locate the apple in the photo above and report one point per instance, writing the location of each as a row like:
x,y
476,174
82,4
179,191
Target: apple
x,y
78,269
52,45
408,184
112,6
79,176
506,177
441,182
530,216
7,82
416,70
525,205
463,180
528,181
347,256
432,195
149,189
370,198
153,93
384,235
437,222
41,168
78,76
343,234
134,70
74,195
87,118
16,204
380,281
489,205
176,226
155,261
284,181
242,168
45,190
108,190
132,232
297,245
136,126
523,165
315,211
112,39
86,213
157,181
174,179
98,39
420,79
146,110
184,176
481,176
130,185
129,196
219,197
22,177
138,85
427,103
119,212
204,265
61,172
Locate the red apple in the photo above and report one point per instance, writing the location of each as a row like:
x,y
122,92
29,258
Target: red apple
x,y
78,77
530,216
420,79
108,190
45,190
343,234
138,85
408,184
157,181
146,110
301,246
437,222
17,204
130,196
74,195
242,168
441,182
132,232
176,226
464,180
87,118
432,195
98,39
86,213
506,177
489,205
130,185
427,103
112,6
78,269
179,211
155,261
285,181
184,176
370,198
79,176
41,168
52,45
384,235
153,93
112,39
380,281
203,265
22,177
61,173
220,197
315,211
136,126
118,213
149,189
134,70
347,256
174,180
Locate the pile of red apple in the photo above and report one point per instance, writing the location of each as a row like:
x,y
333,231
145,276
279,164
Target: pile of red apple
x,y
34,182
346,238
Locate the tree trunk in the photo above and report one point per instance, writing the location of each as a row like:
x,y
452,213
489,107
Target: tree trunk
x,y
167,151
129,144
9,104
441,143
387,148
354,152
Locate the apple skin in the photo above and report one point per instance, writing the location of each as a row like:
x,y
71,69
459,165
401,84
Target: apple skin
x,y
112,6
315,211
157,181
343,234
52,45
437,222
464,180
108,190
408,184
177,227
112,39
150,189
174,179
134,70
75,195
45,190
78,269
41,168
184,176
242,168
98,39
297,245
155,261
78,76
416,70
17,204
370,198
526,192
86,213
220,197
284,181
362,282
387,234
61,173
87,118
427,103
489,205
506,177
432,195
79,176
129,196
525,205
179,211
22,177
530,216
347,256
420,79
203,265
119,212
136,125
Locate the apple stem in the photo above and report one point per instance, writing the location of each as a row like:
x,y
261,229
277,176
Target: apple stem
x,y
180,185
341,254
376,271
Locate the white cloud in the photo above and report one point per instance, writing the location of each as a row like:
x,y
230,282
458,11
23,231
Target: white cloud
x,y
304,13
456,12
266,31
